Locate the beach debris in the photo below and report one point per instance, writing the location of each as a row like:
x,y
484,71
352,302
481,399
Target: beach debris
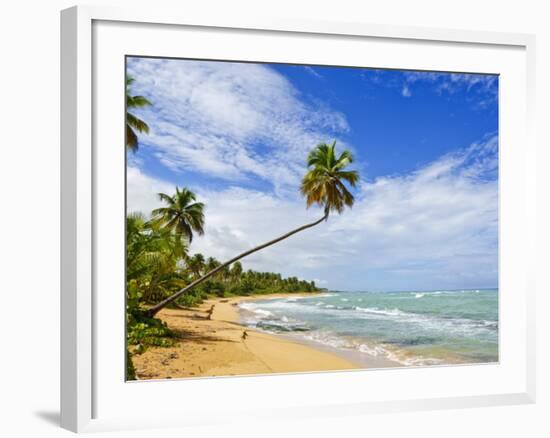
x,y
210,312
244,335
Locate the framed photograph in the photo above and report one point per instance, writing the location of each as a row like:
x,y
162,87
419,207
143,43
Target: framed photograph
x,y
303,218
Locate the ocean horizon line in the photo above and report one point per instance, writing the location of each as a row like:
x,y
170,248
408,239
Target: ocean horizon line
x,y
327,290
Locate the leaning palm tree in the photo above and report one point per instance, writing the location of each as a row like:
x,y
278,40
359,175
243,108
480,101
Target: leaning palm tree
x,y
183,215
134,123
323,184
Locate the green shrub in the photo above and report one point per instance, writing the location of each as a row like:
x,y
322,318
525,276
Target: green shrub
x,y
143,332
130,370
189,300
246,287
213,287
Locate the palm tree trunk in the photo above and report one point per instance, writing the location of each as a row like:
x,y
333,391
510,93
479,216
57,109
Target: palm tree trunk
x,y
153,310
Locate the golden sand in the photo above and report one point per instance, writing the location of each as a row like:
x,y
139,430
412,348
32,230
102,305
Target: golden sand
x,y
216,347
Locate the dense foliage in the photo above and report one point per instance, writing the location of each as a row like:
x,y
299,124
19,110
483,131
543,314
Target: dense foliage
x,y
234,282
158,264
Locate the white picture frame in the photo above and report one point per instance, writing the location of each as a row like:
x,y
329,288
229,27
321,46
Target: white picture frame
x,y
88,395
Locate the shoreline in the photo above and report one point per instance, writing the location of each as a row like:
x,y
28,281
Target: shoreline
x,y
362,360
215,347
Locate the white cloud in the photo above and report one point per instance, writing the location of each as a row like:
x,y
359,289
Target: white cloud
x,y
452,81
142,190
230,120
434,227
482,88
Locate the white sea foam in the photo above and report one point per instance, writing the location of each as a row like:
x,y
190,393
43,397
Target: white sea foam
x,y
327,338
247,306
376,311
251,307
263,312
375,350
373,324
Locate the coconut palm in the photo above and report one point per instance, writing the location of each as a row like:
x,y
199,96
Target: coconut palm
x,y
323,184
211,263
151,258
224,274
195,264
183,216
236,270
134,123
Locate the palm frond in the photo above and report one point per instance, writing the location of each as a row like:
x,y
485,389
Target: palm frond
x,y
350,176
131,139
136,123
166,198
133,122
137,101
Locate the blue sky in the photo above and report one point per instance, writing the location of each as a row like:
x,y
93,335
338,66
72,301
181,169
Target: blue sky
x,y
425,143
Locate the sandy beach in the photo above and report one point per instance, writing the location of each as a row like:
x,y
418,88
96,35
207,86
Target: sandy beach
x,y
215,347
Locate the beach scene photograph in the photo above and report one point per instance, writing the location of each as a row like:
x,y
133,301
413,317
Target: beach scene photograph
x,y
285,218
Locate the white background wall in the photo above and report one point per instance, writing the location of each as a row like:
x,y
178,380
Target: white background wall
x,y
29,218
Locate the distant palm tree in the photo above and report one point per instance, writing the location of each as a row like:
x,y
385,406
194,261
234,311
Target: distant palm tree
x,y
323,184
133,123
211,263
196,264
236,270
183,216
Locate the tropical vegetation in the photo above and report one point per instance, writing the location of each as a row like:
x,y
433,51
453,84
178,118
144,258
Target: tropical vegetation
x,y
158,265
161,271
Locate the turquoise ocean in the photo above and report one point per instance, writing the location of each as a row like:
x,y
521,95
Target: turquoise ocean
x,y
406,327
